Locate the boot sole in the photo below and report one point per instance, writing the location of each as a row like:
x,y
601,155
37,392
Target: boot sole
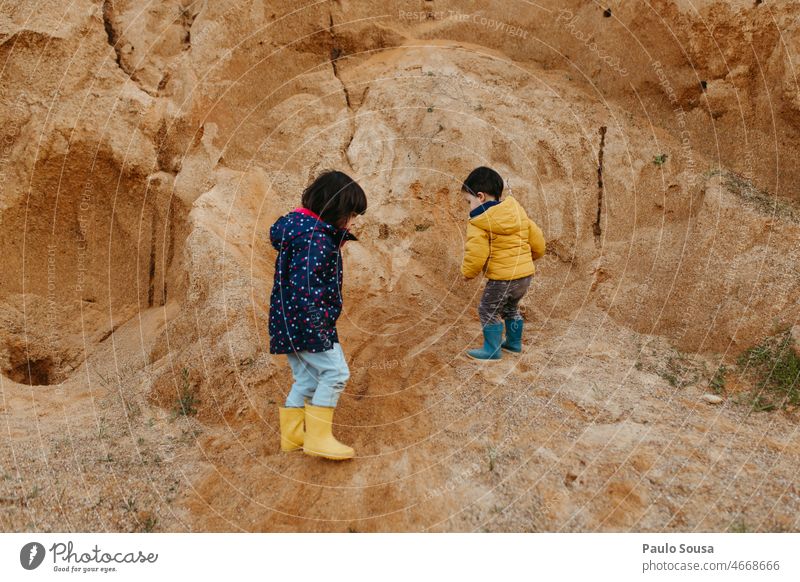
x,y
289,446
329,457
506,350
483,359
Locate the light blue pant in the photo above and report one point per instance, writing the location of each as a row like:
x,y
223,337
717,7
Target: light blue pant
x,y
320,377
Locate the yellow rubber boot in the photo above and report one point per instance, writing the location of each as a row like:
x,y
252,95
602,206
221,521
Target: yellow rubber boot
x,y
319,441
292,433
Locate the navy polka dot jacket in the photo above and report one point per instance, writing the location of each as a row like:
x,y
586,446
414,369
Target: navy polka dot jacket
x,y
307,292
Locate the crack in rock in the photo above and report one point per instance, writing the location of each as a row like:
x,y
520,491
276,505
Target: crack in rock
x,y
188,16
336,52
597,229
114,43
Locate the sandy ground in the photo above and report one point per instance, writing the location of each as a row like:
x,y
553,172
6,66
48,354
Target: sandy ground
x,y
569,436
144,154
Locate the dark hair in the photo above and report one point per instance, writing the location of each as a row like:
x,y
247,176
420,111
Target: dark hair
x,y
484,180
334,196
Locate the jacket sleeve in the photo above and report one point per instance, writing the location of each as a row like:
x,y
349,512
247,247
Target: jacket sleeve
x,y
476,251
536,240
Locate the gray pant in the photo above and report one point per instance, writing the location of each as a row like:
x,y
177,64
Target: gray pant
x,y
501,300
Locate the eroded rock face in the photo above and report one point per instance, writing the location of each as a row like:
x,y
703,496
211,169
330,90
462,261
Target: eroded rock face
x,y
230,109
145,152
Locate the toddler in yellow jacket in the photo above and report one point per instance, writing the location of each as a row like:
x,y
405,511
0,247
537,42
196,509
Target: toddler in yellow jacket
x,y
503,242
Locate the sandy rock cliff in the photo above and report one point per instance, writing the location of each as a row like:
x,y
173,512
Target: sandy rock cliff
x,y
147,147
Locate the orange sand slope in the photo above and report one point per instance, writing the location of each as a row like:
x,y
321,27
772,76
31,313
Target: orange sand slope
x,y
145,152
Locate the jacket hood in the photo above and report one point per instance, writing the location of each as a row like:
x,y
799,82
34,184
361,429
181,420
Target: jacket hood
x,y
294,224
507,217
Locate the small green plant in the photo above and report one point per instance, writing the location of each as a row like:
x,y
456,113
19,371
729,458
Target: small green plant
x,y
187,436
717,382
492,456
430,109
187,403
149,524
679,370
738,526
132,408
660,159
760,403
129,504
671,378
774,367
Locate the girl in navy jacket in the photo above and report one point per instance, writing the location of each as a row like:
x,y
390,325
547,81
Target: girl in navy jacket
x,y
305,304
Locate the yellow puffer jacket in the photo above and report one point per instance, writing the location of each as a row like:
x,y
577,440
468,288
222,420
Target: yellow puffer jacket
x,y
504,236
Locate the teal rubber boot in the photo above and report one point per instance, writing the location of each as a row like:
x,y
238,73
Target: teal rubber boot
x,y
492,336
513,341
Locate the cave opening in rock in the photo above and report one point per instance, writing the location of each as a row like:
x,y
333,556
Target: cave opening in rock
x,y
33,372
